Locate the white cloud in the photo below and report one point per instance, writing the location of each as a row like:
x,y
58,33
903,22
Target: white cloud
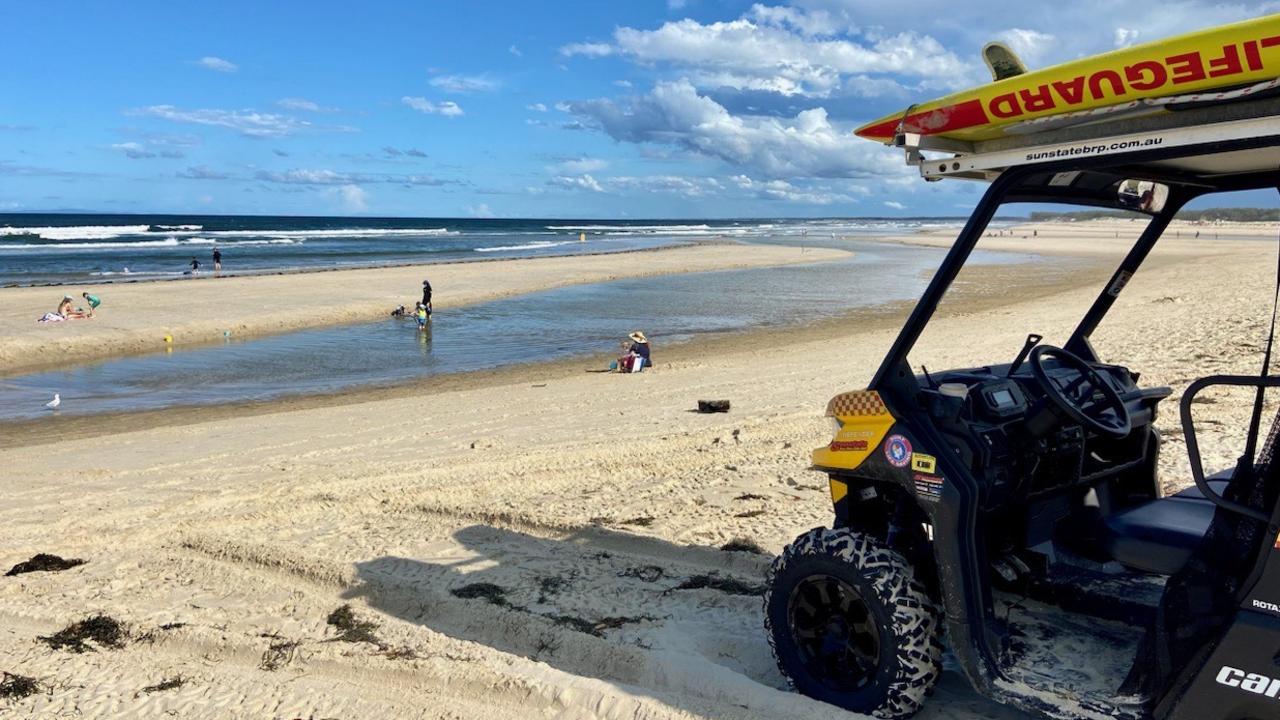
x,y
536,107
587,49
626,84
783,50
894,205
582,182
304,105
354,198
515,51
305,176
139,151
787,192
246,122
676,4
807,145
133,150
479,211
464,83
1032,46
582,165
217,64
1126,37
447,108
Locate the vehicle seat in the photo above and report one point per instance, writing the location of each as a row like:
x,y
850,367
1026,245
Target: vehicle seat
x,y
1159,536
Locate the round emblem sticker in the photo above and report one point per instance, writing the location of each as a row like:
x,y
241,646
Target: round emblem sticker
x,y
897,450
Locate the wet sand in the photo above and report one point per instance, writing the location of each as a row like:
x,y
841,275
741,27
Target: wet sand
x,y
521,538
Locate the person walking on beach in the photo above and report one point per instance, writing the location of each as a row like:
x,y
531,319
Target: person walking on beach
x,y
426,294
217,260
93,300
195,266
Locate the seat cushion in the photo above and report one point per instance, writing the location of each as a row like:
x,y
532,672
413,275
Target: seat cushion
x,y
1217,482
1157,536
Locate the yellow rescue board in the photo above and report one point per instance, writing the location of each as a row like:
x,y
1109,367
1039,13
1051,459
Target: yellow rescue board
x,y
1222,57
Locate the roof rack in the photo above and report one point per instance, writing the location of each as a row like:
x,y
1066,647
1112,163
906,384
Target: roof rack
x,y
1163,124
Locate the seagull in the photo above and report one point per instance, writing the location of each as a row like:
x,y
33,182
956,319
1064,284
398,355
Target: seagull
x,y
55,402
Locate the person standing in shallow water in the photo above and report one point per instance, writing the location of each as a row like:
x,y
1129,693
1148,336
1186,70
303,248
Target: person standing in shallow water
x,y
217,260
426,295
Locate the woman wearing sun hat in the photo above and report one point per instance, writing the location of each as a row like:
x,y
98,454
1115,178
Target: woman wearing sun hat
x,y
639,352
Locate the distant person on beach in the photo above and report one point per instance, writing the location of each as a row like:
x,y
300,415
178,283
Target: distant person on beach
x,y
426,294
423,315
64,308
195,266
93,300
217,260
637,358
399,312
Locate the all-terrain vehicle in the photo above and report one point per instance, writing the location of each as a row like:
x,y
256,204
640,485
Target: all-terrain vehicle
x,y
1013,510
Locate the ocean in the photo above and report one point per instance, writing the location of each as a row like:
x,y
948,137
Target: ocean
x,y
44,249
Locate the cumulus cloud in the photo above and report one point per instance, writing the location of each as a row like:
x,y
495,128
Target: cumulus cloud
x,y
353,198
1125,37
581,182
249,123
304,105
587,49
536,107
582,165
323,177
807,145
217,64
787,192
894,205
784,50
139,151
1032,46
464,83
447,108
515,51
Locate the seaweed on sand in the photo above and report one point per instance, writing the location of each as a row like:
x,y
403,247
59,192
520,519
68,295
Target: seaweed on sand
x,y
743,545
596,627
16,687
42,562
352,629
278,654
103,630
172,683
493,594
729,586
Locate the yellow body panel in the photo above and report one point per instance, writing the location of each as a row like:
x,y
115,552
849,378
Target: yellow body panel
x,y
864,421
1227,56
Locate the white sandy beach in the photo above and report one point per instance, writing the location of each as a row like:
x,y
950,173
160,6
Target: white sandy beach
x,y
521,543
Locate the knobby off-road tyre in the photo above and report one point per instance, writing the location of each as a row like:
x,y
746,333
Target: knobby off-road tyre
x,y
850,625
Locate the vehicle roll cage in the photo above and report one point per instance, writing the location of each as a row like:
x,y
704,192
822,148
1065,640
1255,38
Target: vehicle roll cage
x,y
1090,182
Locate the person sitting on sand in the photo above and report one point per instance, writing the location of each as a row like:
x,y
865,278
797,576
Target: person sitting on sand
x,y
399,312
64,308
93,300
637,357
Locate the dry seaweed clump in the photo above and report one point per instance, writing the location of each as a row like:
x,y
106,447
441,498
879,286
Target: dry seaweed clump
x,y
493,594
352,629
103,630
743,545
172,683
16,687
42,562
729,586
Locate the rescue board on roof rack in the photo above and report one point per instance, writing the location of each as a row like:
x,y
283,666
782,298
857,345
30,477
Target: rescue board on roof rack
x,y
1118,83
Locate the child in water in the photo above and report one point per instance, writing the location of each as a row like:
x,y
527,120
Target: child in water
x,y
422,316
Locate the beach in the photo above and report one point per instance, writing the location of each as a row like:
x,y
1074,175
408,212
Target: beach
x,y
537,541
137,317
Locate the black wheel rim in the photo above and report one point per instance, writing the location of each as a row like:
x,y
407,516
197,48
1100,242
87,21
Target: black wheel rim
x,y
834,633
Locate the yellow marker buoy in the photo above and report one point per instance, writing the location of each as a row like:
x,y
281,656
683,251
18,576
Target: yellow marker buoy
x,y
168,338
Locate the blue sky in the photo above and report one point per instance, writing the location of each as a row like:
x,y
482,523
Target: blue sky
x,y
645,108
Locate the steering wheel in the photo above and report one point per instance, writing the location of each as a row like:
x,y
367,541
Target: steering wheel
x,y
1107,416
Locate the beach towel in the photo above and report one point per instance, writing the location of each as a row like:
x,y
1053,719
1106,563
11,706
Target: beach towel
x,y
51,317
